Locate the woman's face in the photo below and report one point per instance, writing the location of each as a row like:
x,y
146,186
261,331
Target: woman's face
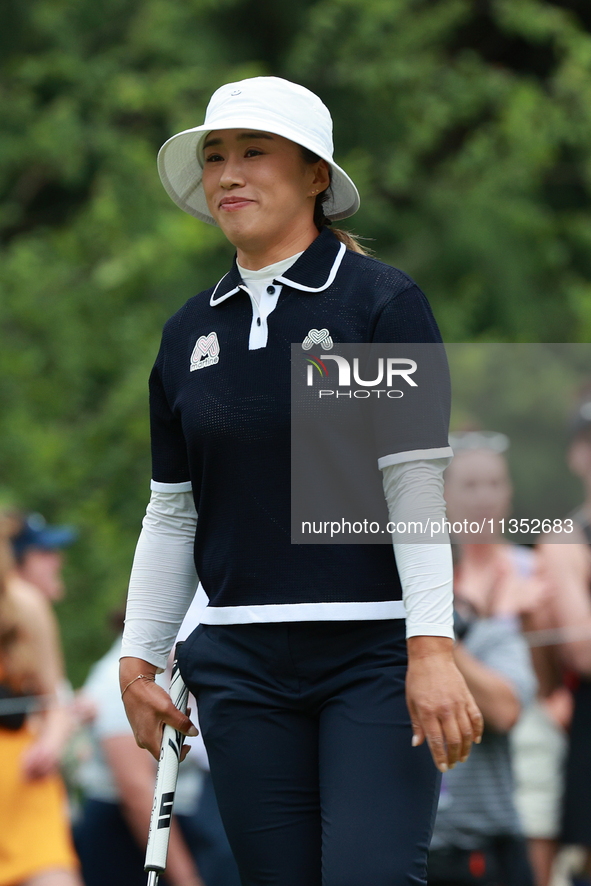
x,y
258,187
477,487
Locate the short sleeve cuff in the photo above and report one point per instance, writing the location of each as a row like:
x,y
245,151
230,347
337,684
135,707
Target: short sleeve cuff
x,y
429,630
397,458
185,486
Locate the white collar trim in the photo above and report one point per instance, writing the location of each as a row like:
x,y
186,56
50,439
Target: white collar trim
x,y
213,301
333,272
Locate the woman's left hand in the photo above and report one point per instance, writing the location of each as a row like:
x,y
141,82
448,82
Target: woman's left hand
x,y
441,707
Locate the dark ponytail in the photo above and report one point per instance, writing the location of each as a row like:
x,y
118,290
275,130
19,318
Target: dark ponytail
x,y
351,241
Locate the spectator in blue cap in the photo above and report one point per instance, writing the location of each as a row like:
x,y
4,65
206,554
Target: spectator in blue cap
x,y
38,554
38,562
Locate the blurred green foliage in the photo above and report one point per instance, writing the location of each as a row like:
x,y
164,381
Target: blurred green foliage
x,y
465,123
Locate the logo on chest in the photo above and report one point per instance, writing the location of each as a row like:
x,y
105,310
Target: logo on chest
x,y
318,337
206,351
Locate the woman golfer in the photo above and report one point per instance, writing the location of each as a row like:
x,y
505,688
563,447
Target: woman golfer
x,y
301,662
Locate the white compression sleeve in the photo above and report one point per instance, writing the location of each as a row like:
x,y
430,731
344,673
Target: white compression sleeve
x,y
414,491
163,578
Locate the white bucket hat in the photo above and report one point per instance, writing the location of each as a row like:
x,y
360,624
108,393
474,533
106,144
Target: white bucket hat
x,y
266,104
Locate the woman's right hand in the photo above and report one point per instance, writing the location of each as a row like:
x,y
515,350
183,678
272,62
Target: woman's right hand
x,y
149,707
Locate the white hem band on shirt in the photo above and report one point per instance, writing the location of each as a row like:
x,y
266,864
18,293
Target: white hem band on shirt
x,y
275,612
414,455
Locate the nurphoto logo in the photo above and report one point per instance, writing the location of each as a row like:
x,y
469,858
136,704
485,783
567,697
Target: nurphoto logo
x,y
395,368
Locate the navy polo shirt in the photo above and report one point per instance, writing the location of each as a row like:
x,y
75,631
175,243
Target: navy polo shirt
x,y
220,426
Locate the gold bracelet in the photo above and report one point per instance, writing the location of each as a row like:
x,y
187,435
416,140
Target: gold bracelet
x,y
150,677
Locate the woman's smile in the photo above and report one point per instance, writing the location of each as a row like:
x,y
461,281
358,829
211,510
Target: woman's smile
x,y
231,204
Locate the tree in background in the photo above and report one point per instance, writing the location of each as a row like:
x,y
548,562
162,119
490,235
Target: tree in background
x,y
466,123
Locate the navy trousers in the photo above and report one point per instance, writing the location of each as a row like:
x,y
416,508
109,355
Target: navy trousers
x,y
309,742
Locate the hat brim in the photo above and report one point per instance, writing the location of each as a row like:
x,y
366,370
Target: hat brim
x,y
181,173
50,538
53,537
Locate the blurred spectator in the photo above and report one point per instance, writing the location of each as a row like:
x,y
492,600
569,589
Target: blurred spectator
x,y
38,561
118,782
35,842
38,554
518,588
477,836
568,570
539,744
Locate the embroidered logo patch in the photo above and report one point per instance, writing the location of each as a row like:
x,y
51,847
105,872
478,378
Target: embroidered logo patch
x,y
206,351
318,337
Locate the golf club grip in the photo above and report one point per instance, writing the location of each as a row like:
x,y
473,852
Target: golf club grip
x,y
168,767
